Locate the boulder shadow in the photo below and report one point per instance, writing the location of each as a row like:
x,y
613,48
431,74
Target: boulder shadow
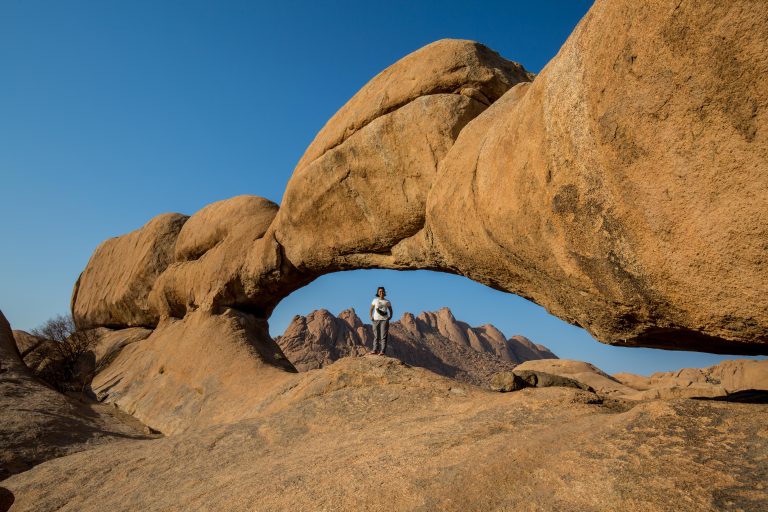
x,y
746,396
6,499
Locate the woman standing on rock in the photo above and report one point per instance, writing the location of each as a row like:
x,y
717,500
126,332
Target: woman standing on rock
x,y
381,312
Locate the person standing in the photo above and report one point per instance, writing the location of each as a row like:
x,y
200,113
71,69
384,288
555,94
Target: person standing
x,y
381,312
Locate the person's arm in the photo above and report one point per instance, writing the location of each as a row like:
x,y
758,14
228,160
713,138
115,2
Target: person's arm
x,y
370,313
389,306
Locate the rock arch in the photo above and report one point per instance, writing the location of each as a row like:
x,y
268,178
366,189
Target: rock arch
x,y
623,189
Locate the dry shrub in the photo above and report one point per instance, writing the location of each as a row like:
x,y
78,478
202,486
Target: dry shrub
x,y
65,359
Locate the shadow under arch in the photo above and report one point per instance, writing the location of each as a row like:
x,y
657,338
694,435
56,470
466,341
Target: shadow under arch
x,y
6,499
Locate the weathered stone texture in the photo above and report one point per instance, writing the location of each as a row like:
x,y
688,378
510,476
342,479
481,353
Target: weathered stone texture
x,y
624,189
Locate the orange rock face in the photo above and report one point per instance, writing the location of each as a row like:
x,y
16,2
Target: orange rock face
x,y
201,370
449,66
624,189
113,290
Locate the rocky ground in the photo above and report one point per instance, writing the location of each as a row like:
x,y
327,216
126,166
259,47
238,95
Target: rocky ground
x,y
368,433
39,424
371,433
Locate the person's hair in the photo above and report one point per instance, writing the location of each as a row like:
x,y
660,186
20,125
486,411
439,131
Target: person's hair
x,y
380,288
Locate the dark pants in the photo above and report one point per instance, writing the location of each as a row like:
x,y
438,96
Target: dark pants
x,y
380,335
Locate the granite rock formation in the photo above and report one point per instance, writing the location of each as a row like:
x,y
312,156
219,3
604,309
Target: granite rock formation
x,y
26,343
326,438
584,372
420,104
38,424
201,370
42,358
544,380
485,338
32,349
432,340
114,288
624,189
728,378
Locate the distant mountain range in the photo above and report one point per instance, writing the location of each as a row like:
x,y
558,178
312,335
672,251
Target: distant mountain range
x,y
432,340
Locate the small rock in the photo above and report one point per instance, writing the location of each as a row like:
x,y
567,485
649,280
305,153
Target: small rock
x,y
507,381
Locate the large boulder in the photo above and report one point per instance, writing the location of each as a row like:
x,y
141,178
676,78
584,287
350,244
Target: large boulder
x,y
361,186
210,255
585,373
27,343
448,66
201,370
11,365
222,220
360,198
726,378
113,290
543,380
625,189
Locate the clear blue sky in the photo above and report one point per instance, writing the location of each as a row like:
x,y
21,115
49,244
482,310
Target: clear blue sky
x,y
112,112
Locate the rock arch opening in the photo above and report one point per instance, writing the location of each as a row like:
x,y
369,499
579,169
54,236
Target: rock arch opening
x,y
442,322
473,304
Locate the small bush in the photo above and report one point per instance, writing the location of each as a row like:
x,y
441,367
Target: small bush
x,y
66,360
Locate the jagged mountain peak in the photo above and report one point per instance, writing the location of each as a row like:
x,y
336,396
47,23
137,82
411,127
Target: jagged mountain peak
x,y
432,339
